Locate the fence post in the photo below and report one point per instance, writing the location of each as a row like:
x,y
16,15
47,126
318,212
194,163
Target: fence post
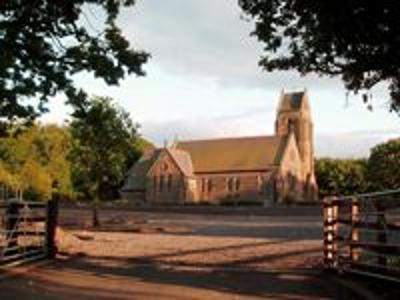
x,y
330,231
326,212
355,231
12,216
335,211
51,227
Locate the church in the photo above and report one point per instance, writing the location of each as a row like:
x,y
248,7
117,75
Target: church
x,y
264,170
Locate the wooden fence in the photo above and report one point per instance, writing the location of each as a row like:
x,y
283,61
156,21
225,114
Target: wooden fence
x,y
27,231
362,234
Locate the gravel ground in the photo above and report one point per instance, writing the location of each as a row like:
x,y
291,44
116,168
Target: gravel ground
x,y
200,251
144,255
255,242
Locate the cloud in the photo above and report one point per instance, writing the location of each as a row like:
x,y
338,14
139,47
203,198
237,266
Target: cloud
x,y
352,144
207,38
254,121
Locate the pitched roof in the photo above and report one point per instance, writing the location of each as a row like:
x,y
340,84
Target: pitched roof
x,y
183,160
234,154
137,174
292,101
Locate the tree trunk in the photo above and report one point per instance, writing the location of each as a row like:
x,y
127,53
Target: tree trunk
x,y
96,222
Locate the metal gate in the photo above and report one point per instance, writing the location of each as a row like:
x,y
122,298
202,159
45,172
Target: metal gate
x,y
27,231
362,234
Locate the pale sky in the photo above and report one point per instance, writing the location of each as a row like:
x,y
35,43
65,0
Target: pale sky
x,y
203,81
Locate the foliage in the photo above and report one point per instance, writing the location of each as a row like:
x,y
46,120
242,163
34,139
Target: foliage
x,y
44,43
341,176
35,181
138,146
384,166
35,159
102,141
6,178
358,40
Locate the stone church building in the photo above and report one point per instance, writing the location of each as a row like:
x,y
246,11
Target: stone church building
x,y
266,170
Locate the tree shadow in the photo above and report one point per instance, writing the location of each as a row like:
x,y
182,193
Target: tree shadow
x,y
94,281
149,277
234,277
179,258
181,253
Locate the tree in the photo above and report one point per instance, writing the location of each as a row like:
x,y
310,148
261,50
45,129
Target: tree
x,y
341,176
35,181
384,166
36,158
138,147
102,135
44,43
357,40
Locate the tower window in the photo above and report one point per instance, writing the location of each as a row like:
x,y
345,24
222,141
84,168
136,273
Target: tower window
x,y
291,125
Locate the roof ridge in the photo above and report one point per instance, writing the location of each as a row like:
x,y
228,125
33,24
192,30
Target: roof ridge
x,y
178,162
229,138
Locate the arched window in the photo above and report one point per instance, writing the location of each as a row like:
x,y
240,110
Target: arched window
x,y
155,182
209,185
237,185
259,185
164,166
169,182
161,182
292,182
230,184
260,181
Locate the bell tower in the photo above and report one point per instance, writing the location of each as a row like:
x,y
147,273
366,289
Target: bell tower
x,y
294,115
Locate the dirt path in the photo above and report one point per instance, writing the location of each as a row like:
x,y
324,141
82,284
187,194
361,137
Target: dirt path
x,y
167,256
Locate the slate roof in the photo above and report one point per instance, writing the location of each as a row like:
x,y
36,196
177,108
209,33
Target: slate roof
x,y
234,154
137,174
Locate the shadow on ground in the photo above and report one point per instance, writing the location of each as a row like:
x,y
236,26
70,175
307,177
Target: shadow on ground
x,y
95,278
197,257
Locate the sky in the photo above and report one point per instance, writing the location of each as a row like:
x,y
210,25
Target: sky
x,y
203,81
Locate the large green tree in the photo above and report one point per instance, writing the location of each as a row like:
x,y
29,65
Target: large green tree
x,y
102,141
44,43
384,166
355,39
341,176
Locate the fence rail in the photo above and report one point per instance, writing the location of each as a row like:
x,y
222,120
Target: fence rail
x,y
362,234
27,231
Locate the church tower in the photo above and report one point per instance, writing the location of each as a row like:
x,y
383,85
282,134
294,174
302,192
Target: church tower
x,y
294,115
